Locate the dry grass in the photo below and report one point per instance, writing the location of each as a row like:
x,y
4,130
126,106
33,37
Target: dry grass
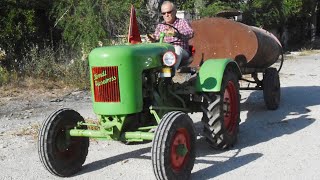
x,y
93,121
306,52
32,130
33,89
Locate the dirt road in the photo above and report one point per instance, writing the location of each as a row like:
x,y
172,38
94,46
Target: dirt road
x,y
281,144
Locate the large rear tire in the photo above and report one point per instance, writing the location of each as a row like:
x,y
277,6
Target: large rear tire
x,y
271,88
173,147
59,153
221,113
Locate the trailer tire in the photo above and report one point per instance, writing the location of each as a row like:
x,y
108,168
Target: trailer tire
x,y
271,88
221,113
61,155
173,147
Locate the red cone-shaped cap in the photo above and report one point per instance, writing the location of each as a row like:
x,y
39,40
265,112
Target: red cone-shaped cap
x,y
133,34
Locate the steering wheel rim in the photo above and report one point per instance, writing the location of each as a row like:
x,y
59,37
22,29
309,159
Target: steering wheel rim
x,y
178,32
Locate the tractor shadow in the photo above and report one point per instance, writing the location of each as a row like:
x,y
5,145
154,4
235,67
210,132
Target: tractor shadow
x,y
259,125
100,164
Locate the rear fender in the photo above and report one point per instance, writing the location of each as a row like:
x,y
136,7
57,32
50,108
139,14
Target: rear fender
x,y
211,73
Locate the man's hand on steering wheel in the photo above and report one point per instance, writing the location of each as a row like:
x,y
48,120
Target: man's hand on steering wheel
x,y
173,32
151,38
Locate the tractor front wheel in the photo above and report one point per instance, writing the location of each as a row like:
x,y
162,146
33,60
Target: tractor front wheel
x,y
221,113
59,153
173,147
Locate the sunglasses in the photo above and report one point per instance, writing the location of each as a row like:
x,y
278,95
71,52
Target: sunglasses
x,y
164,13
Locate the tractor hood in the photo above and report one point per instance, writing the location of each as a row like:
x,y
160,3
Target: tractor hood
x,y
116,76
143,56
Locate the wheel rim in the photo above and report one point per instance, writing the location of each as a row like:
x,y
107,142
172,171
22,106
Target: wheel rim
x,y
230,107
67,148
180,148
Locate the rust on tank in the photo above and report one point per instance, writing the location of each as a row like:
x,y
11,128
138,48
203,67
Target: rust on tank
x,y
223,38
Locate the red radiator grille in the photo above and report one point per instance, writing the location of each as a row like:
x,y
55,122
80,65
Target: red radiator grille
x,y
106,84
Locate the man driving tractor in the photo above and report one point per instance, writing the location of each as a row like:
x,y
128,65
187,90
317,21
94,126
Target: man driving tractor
x,y
178,32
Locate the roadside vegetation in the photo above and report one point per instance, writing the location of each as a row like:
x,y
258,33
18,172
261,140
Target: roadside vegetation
x,y
50,40
306,52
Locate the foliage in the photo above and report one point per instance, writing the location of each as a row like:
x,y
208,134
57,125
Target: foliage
x,y
77,74
292,8
4,76
51,39
41,62
187,5
60,64
7,76
2,54
265,13
217,6
85,22
79,21
17,27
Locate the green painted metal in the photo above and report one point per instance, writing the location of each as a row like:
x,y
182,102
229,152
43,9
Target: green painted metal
x,y
138,136
90,133
110,129
112,124
162,34
146,128
131,60
170,108
182,150
155,114
80,123
211,74
128,136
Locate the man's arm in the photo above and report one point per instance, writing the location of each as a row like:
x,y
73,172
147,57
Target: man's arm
x,y
156,34
186,32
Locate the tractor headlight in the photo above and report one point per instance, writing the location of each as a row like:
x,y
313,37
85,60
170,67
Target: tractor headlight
x,y
169,58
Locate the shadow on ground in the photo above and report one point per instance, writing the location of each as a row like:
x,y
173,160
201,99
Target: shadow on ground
x,y
94,166
261,125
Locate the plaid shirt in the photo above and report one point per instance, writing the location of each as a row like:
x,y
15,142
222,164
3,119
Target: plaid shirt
x,y
184,28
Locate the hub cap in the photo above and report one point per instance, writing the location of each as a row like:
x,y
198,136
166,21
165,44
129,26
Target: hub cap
x,y
230,107
180,148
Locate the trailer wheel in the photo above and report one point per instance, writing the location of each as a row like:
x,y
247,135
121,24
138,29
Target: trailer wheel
x,y
271,88
173,147
60,154
221,113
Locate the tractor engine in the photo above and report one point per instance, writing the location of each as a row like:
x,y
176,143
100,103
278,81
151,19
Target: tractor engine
x,y
118,73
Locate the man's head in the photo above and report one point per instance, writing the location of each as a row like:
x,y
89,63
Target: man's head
x,y
168,11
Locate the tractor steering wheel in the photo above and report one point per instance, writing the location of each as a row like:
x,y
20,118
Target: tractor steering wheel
x,y
178,34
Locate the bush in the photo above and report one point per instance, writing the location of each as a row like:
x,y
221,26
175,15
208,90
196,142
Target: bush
x,y
60,64
42,63
77,74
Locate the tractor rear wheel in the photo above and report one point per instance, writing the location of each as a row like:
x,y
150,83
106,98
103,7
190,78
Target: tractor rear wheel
x,y
271,88
221,113
59,153
173,147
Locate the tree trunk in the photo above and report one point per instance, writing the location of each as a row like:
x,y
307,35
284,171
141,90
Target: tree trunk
x,y
153,7
314,21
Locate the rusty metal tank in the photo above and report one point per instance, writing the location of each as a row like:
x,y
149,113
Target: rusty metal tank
x,y
252,47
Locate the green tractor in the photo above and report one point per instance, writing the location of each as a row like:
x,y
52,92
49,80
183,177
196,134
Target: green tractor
x,y
137,99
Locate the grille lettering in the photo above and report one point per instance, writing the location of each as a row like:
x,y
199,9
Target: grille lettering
x,y
106,84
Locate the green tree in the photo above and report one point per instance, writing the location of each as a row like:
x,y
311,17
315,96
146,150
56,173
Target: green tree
x,y
18,27
215,7
265,13
80,22
85,22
